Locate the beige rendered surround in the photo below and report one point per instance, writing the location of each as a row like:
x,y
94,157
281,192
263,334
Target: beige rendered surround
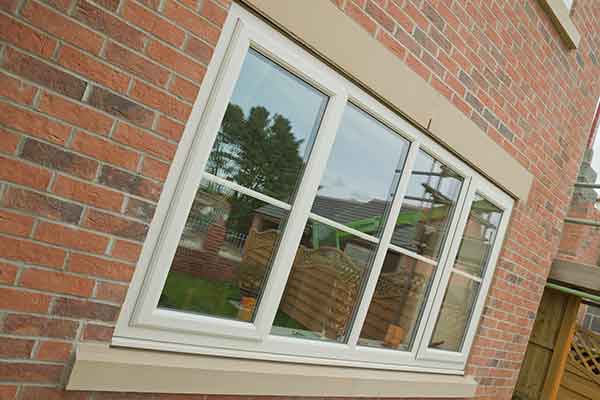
x,y
338,40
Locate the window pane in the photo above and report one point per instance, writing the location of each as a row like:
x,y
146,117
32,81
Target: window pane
x,y
455,314
324,285
472,259
224,255
427,207
478,237
268,129
395,309
362,173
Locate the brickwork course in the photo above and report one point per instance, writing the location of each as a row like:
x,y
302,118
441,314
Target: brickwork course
x,y
94,98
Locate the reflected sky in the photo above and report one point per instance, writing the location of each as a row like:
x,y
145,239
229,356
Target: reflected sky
x,y
264,83
364,160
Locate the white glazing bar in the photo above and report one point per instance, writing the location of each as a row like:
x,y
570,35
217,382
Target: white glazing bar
x,y
386,237
466,275
342,227
246,191
412,254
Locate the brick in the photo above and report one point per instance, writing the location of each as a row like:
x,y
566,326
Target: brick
x,y
126,251
29,325
191,21
199,50
383,19
93,69
72,238
31,373
30,252
98,333
40,204
213,13
479,121
440,40
176,61
114,225
105,150
136,64
22,36
100,267
15,224
56,282
160,100
8,392
102,21
16,90
76,114
23,174
62,27
111,5
85,309
140,209
490,118
153,23
425,41
418,67
55,158
400,16
111,292
433,16
408,42
416,16
360,17
155,168
391,44
121,107
47,393
15,348
8,141
23,301
86,193
474,102
142,140
184,89
8,273
33,124
50,350
10,6
433,65
43,74
169,128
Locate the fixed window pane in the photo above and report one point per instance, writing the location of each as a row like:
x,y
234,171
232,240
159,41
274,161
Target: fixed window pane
x,y
397,303
324,284
362,173
268,129
471,261
478,238
224,255
455,314
427,207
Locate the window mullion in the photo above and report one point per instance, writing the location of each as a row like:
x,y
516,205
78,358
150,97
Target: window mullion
x,y
306,191
386,237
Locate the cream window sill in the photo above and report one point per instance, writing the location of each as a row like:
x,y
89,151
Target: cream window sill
x,y
562,20
99,367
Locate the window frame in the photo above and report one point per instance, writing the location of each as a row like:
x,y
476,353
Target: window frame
x,y
142,324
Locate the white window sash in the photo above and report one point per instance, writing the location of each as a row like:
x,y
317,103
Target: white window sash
x,y
142,324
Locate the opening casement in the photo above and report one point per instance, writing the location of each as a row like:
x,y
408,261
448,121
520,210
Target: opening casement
x,y
303,221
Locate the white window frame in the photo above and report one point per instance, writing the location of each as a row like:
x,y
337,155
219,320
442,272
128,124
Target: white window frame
x,y
141,324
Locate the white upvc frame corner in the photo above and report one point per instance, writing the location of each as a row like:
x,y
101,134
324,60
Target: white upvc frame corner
x,y
141,324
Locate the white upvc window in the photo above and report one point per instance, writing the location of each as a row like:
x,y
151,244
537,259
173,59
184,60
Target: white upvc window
x,y
303,221
568,4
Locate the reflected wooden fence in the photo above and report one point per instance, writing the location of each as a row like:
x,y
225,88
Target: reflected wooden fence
x,y
581,379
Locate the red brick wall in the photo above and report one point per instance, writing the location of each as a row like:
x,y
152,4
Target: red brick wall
x,y
95,95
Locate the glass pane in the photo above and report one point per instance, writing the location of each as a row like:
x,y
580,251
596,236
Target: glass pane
x,y
473,254
427,208
455,314
397,303
268,129
224,254
362,173
324,285
478,237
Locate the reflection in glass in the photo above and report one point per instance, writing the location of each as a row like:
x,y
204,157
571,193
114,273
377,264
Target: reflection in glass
x,y
455,314
362,173
324,284
399,297
472,259
427,208
478,237
224,255
267,132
